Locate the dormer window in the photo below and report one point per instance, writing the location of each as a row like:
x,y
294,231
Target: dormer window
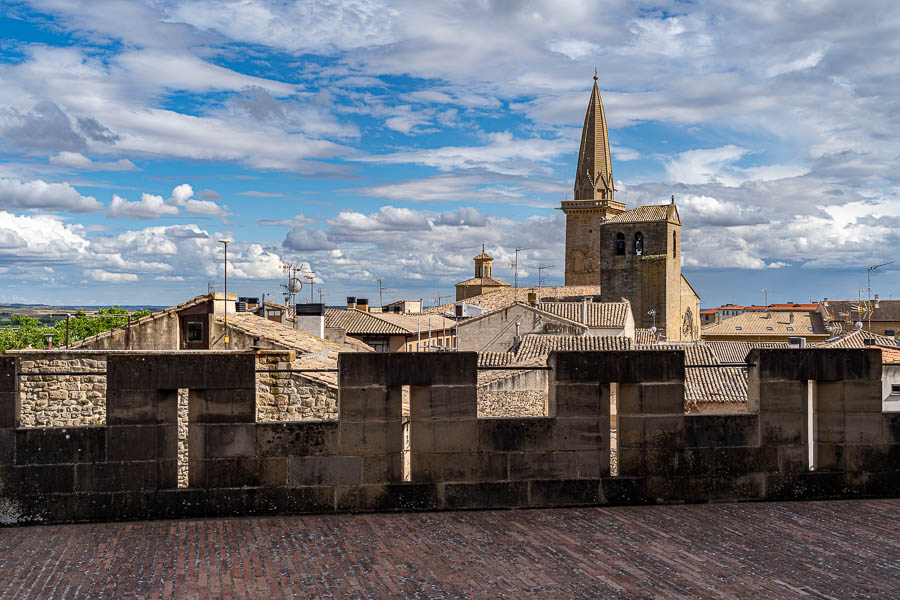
x,y
638,244
620,244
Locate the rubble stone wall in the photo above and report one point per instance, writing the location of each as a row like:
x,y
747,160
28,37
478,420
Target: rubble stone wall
x,y
61,400
291,396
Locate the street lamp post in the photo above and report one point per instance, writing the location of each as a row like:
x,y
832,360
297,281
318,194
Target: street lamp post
x,y
225,303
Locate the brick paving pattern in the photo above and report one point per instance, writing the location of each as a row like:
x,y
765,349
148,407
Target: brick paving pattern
x,y
839,549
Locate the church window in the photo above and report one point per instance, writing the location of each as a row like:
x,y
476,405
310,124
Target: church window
x,y
674,243
620,244
639,244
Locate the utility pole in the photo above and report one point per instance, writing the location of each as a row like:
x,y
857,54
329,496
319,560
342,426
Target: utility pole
x,y
869,286
321,296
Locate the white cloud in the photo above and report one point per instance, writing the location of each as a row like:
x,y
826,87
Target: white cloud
x,y
573,49
108,277
148,207
319,25
502,153
40,195
80,161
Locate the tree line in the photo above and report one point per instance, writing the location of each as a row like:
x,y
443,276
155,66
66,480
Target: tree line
x,y
28,332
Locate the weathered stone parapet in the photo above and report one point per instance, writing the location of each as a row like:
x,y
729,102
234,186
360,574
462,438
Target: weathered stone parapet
x,y
240,465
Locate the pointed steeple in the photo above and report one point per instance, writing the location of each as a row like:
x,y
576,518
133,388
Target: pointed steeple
x,y
593,176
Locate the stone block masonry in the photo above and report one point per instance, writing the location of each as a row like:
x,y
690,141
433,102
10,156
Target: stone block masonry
x,y
239,465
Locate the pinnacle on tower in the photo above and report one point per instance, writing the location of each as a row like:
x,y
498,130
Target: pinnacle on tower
x,y
594,177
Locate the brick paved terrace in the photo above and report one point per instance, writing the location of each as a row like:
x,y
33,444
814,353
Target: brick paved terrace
x,y
834,549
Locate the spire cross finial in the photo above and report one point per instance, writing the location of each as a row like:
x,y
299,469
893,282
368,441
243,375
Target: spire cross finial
x,y
673,198
595,73
482,248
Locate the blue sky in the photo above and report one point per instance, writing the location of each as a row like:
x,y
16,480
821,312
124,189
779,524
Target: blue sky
x,y
391,139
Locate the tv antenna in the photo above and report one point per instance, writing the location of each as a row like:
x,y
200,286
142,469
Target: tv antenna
x,y
291,288
541,279
516,280
381,289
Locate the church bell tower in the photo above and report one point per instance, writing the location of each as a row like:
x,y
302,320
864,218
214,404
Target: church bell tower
x,y
593,200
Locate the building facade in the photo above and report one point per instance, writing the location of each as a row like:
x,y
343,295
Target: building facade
x,y
631,254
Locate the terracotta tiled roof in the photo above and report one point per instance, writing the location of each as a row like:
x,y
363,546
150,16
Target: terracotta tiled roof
x,y
762,324
312,352
536,346
489,281
495,359
642,214
507,296
857,339
358,322
644,336
414,323
890,356
719,384
727,351
794,306
708,384
599,314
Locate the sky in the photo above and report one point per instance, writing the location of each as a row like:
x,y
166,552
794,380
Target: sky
x,y
391,139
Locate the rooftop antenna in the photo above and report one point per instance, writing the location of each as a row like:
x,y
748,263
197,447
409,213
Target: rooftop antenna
x,y
869,286
540,279
291,288
380,290
210,287
516,265
439,296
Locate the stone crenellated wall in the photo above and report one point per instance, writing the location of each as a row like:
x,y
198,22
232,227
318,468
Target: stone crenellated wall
x,y
438,454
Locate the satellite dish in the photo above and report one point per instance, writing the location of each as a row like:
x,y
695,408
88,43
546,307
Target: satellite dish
x,y
294,285
859,325
653,329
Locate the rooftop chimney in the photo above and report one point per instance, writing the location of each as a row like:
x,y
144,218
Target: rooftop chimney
x,y
310,318
351,301
362,304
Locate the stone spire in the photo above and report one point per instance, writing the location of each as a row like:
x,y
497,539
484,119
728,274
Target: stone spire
x,y
594,177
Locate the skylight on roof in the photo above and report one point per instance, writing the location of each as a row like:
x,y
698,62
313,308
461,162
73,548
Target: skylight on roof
x,y
739,328
768,329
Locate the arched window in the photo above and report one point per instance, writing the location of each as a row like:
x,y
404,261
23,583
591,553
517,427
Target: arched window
x,y
674,243
620,244
638,244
